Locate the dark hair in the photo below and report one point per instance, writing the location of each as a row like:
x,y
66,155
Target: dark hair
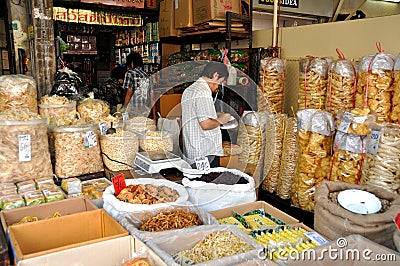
x,y
118,72
134,58
213,67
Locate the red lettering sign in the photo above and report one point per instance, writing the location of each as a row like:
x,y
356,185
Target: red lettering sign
x,y
119,183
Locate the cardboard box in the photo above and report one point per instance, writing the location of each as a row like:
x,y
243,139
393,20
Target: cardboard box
x,y
170,105
184,13
206,10
109,252
47,236
166,24
243,208
64,207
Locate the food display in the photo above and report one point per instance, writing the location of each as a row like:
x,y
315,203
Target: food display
x,y
93,189
72,185
33,197
93,110
289,159
313,83
227,178
11,202
356,122
273,151
396,93
374,86
58,110
342,86
381,167
147,194
18,92
216,245
119,149
44,182
315,131
24,146
283,241
53,193
169,220
76,150
139,123
156,141
272,78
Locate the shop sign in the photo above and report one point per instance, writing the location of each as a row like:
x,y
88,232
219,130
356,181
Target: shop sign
x,y
124,3
94,17
284,3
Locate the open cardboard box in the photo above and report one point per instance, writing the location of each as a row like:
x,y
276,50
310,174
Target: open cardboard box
x,y
64,207
243,208
109,252
47,236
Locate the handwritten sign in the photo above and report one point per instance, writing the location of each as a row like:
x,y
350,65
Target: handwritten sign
x,y
24,143
118,183
202,164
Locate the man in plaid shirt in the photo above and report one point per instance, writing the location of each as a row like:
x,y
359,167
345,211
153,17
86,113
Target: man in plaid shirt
x,y
139,98
202,136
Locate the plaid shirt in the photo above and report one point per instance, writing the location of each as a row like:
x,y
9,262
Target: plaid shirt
x,y
197,106
140,82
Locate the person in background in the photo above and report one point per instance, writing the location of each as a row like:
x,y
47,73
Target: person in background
x,y
111,90
201,131
139,98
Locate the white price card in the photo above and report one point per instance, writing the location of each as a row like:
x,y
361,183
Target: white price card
x,y
344,126
103,127
89,139
24,148
125,116
317,238
373,144
202,164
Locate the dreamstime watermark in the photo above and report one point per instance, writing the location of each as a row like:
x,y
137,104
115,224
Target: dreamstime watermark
x,y
341,253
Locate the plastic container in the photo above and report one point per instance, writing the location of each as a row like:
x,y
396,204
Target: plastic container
x,y
140,124
24,150
119,150
156,141
77,150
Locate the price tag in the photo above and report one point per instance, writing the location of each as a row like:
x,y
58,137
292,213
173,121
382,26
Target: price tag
x,y
344,126
360,119
348,116
125,116
89,139
202,164
374,142
24,148
317,238
118,183
397,220
103,127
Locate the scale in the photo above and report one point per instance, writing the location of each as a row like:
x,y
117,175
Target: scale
x,y
154,161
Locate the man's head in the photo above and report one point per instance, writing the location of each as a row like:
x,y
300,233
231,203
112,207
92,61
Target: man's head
x,y
134,59
118,73
215,74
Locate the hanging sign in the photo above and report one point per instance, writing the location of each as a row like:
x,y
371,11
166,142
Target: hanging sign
x,y
94,17
285,3
124,3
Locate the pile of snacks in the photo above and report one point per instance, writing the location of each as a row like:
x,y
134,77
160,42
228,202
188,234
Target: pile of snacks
x,y
93,110
169,220
381,167
147,194
156,141
289,159
29,192
139,123
18,92
272,75
342,85
396,93
313,83
282,241
119,149
58,110
77,151
374,87
315,131
273,151
24,146
216,245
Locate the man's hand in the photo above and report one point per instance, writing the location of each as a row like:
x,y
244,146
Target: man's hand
x,y
224,118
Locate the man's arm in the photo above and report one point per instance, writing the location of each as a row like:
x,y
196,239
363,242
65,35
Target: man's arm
x,y
210,123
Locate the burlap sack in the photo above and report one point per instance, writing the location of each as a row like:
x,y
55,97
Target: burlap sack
x,y
333,221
